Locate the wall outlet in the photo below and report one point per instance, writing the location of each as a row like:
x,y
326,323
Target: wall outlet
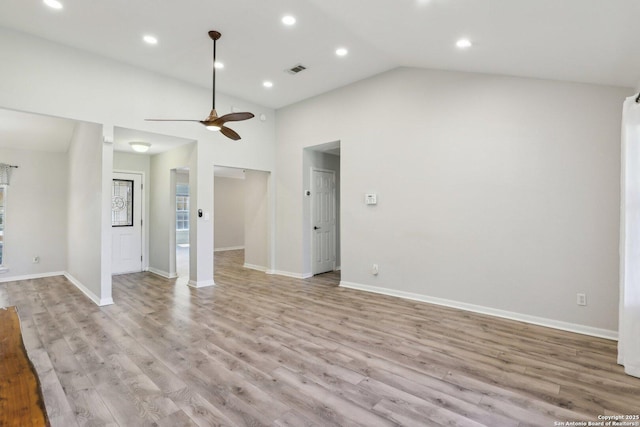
x,y
374,269
36,259
581,299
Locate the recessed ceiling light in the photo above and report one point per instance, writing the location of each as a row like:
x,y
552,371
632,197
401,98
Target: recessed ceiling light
x,y
219,65
341,51
267,83
463,43
288,20
150,39
54,4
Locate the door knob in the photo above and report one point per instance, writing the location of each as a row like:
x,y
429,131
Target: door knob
x,y
315,227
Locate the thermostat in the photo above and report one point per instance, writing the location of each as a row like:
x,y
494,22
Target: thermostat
x,y
370,199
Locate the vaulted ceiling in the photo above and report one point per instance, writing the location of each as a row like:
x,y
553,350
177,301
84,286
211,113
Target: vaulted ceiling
x,y
592,41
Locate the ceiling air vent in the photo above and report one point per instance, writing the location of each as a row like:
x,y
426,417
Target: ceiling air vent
x,y
296,69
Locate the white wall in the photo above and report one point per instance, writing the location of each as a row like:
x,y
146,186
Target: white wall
x,y
129,162
256,220
494,192
229,212
89,227
36,215
106,255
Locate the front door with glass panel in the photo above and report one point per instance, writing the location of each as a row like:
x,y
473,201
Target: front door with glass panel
x,y
126,223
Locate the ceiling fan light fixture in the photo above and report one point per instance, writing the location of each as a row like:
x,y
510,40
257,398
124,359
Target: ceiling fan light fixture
x,y
213,128
139,146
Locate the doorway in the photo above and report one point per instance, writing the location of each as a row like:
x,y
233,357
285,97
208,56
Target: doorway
x,y
182,225
321,209
241,215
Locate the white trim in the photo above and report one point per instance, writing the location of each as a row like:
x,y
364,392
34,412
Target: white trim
x,y
230,248
255,267
31,276
162,273
3,270
93,297
202,284
541,321
631,370
289,274
338,268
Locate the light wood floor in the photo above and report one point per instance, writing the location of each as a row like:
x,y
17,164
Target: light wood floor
x,y
267,350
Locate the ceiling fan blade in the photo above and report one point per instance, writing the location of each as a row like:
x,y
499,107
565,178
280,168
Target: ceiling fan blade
x,y
233,117
170,120
229,133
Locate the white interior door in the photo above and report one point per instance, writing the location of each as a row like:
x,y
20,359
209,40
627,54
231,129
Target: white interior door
x,y
126,223
323,217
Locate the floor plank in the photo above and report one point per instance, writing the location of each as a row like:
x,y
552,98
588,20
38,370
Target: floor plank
x,y
259,350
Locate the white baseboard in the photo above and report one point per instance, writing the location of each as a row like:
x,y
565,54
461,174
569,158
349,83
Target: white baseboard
x,y
255,267
93,297
633,370
541,321
31,276
162,273
201,284
230,248
289,274
338,268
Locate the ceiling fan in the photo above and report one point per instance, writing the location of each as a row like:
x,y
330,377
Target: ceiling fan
x,y
212,121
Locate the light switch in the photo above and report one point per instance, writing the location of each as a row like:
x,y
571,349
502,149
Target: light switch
x,y
206,216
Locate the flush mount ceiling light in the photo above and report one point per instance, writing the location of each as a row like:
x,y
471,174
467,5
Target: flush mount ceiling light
x,y
139,146
341,51
267,84
288,20
53,4
219,65
150,39
463,43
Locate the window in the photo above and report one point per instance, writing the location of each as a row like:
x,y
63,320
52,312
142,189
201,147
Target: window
x,y
122,203
182,207
3,191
